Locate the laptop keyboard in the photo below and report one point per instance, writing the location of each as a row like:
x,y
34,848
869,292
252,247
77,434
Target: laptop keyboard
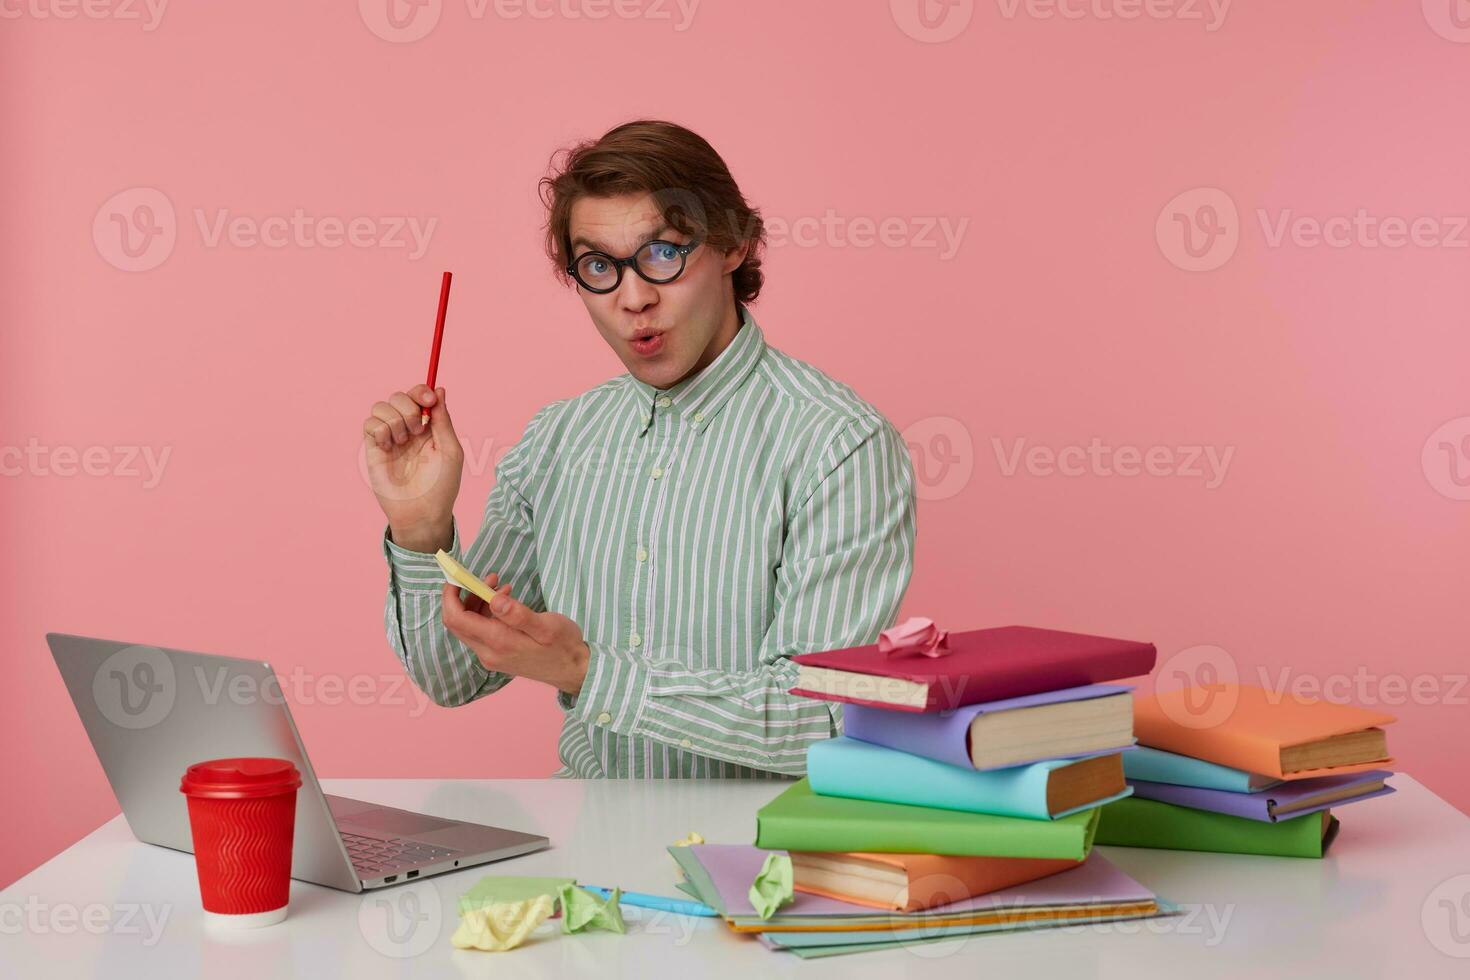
x,y
370,856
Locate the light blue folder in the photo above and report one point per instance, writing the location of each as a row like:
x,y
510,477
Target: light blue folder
x,y
1158,766
860,770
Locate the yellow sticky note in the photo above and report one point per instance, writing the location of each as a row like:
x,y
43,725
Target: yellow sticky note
x,y
501,926
457,574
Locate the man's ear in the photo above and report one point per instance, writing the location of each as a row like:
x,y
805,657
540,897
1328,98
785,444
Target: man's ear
x,y
734,257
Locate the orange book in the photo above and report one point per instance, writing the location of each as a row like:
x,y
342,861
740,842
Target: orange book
x,y
1263,732
912,882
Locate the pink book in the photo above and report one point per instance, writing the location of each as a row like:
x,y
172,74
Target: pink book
x,y
969,667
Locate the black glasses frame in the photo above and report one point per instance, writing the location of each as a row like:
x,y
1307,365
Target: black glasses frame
x,y
632,262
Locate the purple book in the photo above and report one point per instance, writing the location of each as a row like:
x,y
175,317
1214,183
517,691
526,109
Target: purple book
x,y
945,735
1283,801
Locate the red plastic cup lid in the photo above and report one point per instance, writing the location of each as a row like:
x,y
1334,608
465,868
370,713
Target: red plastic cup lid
x,y
244,778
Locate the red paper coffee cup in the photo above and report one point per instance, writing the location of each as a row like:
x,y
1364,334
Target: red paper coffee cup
x,y
242,815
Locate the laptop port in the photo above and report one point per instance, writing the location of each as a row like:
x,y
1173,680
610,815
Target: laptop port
x,y
411,874
390,879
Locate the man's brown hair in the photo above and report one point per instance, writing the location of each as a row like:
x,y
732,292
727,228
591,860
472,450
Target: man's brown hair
x,y
688,181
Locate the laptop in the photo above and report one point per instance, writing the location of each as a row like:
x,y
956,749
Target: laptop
x,y
151,712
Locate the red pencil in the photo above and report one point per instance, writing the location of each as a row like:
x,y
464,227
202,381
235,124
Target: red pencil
x,y
438,340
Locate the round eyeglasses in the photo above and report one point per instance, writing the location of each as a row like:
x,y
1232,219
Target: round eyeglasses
x,y
657,262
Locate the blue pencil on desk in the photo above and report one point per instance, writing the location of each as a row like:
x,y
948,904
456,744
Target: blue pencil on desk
x,y
659,902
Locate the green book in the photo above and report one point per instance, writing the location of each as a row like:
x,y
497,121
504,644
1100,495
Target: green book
x,y
801,820
1132,822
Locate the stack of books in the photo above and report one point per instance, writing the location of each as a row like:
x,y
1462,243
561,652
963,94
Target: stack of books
x,y
971,764
1243,770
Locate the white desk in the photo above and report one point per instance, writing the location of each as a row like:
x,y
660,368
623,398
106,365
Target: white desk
x,y
1391,900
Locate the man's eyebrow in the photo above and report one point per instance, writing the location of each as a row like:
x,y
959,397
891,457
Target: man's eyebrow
x,y
599,247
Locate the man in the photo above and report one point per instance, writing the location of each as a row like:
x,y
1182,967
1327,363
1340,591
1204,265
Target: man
x,y
670,536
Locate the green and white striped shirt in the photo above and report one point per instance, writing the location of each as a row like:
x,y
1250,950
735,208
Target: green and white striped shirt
x,y
699,535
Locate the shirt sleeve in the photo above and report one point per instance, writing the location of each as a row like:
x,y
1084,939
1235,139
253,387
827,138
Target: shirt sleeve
x,y
845,566
436,660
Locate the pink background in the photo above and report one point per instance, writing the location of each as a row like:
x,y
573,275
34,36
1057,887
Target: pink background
x,y
1334,546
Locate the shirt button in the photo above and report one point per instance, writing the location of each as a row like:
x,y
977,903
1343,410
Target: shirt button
x,y
658,471
643,554
604,718
699,416
684,743
663,403
635,640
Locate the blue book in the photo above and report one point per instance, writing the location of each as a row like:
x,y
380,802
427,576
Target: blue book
x,y
1046,790
1157,766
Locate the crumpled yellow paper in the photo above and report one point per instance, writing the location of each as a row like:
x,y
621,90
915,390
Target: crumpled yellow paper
x,y
773,886
581,909
502,925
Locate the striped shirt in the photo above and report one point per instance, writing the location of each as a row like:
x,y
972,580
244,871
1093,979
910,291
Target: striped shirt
x,y
699,535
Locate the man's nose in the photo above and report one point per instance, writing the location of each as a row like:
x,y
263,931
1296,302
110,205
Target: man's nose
x,y
635,293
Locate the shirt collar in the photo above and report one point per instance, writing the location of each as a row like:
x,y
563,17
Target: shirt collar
x,y
699,398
